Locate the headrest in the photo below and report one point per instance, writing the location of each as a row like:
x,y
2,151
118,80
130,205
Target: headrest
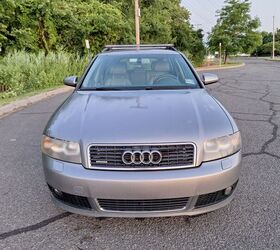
x,y
162,66
118,69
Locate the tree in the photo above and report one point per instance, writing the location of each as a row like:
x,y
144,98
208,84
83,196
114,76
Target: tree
x,y
50,25
265,49
165,21
99,22
41,12
236,30
16,29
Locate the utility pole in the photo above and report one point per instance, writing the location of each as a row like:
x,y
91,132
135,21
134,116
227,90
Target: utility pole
x,y
137,22
220,46
273,46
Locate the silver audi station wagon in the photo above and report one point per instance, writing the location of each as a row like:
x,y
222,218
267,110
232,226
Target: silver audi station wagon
x,y
140,136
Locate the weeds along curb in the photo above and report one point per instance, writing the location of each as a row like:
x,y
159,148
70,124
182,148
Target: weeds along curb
x,y
220,68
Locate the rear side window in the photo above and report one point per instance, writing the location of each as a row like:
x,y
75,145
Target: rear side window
x,y
128,71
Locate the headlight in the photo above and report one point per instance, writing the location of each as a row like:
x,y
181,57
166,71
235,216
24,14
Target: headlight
x,y
221,147
61,150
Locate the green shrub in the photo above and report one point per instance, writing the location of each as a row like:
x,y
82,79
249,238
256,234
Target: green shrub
x,y
197,61
23,72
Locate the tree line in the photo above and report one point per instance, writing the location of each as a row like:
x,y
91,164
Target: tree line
x,y
265,49
51,25
55,25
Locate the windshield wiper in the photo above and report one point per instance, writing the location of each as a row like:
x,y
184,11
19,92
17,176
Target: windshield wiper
x,y
134,88
101,89
165,87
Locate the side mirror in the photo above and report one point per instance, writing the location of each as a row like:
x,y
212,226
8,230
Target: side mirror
x,y
209,78
71,81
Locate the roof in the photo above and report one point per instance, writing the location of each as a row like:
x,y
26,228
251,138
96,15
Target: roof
x,y
142,52
143,49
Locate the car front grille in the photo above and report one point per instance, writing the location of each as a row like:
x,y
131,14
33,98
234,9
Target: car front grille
x,y
143,205
110,157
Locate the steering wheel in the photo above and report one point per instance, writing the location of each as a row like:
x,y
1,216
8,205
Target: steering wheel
x,y
164,78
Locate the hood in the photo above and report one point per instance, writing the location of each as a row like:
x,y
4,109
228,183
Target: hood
x,y
154,116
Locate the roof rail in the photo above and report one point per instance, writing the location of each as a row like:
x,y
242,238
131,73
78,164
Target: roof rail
x,y
140,47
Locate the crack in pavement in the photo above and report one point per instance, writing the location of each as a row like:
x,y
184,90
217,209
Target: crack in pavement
x,y
260,153
240,96
236,88
270,121
225,86
228,84
244,113
34,226
249,120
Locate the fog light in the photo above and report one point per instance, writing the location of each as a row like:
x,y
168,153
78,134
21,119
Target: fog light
x,y
228,191
57,192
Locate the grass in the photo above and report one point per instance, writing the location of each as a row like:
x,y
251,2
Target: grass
x,y
217,65
216,62
23,72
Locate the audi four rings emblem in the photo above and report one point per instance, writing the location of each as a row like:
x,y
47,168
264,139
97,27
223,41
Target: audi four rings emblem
x,y
144,157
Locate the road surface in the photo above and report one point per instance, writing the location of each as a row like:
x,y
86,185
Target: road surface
x,y
28,219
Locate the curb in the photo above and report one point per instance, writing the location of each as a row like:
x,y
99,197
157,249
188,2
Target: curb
x,y
220,68
20,104
271,60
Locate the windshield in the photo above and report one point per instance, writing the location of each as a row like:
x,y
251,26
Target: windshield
x,y
139,71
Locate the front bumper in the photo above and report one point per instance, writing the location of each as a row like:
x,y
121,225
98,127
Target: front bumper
x,y
145,185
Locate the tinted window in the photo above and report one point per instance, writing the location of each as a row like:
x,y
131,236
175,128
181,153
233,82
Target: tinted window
x,y
127,71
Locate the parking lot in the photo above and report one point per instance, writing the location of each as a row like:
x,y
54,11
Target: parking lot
x,y
29,220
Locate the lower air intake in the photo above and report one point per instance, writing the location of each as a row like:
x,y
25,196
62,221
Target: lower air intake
x,y
71,200
213,198
143,205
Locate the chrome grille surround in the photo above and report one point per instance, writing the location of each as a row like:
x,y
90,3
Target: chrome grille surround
x,y
174,156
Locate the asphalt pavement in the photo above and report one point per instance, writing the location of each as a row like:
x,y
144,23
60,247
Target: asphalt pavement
x,y
29,220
